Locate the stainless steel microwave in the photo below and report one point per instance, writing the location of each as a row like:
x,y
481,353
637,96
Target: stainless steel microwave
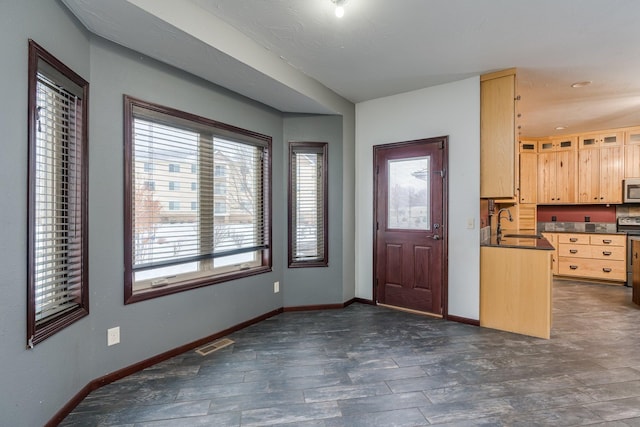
x,y
632,190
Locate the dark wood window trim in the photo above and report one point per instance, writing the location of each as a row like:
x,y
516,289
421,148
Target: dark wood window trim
x,y
322,258
217,129
69,292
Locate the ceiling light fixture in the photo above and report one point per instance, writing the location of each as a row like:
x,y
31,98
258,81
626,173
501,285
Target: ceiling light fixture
x,y
339,7
561,127
581,84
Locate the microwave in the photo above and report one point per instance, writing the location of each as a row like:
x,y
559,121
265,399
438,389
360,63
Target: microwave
x,y
631,188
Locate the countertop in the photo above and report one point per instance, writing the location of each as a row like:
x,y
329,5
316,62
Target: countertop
x,y
518,242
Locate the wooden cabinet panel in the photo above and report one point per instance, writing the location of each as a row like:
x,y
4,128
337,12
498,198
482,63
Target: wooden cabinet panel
x,y
578,239
576,251
553,239
497,137
632,161
608,239
557,178
617,253
600,139
588,175
600,174
593,269
528,177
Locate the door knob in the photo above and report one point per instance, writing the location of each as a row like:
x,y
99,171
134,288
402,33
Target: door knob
x,y
435,237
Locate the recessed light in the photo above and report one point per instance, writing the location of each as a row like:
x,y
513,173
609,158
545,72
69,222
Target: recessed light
x,y
582,84
561,127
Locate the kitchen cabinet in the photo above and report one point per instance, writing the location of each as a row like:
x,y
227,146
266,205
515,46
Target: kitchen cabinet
x,y
553,239
557,178
497,135
632,153
515,290
600,139
600,174
528,183
592,256
527,216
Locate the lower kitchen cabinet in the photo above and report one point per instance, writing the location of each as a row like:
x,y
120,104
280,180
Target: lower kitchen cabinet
x,y
553,239
592,256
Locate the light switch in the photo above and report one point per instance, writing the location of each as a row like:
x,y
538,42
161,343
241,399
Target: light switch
x,y
471,223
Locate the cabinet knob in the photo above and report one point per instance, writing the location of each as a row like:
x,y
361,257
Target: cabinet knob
x,y
606,253
573,267
573,251
606,269
606,241
573,239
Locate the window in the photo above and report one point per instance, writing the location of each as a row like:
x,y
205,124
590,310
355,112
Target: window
x,y
150,185
168,249
174,186
174,167
57,292
220,188
194,168
148,167
194,186
308,208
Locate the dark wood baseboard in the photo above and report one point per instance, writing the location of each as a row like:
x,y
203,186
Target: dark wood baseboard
x,y
313,307
464,320
364,301
121,373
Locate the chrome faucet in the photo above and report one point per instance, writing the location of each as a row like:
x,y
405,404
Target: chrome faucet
x,y
499,229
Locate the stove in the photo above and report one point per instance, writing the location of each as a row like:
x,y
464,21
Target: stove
x,y
631,226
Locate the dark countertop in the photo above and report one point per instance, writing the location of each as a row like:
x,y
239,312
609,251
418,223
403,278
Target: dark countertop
x,y
518,242
584,232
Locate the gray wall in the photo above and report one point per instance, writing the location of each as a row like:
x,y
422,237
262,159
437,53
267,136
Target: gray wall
x,y
317,285
36,383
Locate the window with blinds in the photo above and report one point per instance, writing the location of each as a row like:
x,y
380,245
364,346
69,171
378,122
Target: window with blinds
x,y
206,218
308,207
58,250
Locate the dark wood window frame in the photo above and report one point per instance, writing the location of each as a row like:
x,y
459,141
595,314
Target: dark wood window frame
x,y
58,290
322,235
219,129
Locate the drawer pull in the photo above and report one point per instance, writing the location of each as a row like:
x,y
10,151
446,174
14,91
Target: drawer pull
x,y
606,253
573,251
573,239
573,267
606,241
606,270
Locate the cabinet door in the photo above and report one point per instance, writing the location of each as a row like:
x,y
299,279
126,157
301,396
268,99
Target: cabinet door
x,y
589,175
528,177
567,182
527,217
497,137
632,161
611,174
547,177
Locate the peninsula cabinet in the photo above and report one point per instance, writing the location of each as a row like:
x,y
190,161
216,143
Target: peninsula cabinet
x,y
600,174
632,153
557,180
497,135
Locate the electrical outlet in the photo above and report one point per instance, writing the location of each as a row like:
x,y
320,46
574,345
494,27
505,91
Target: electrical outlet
x,y
113,336
276,287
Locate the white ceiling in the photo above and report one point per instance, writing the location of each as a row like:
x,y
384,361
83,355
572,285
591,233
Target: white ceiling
x,y
385,47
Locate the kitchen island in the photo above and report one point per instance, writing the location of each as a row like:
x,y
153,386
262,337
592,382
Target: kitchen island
x,y
516,285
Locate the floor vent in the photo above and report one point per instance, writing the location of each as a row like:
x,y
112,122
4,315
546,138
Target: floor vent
x,y
214,346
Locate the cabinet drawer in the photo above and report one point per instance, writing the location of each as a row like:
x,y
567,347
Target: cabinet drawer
x,y
574,250
576,239
618,253
608,239
593,268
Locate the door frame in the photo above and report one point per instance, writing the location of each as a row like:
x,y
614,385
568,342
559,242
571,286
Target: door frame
x,y
444,141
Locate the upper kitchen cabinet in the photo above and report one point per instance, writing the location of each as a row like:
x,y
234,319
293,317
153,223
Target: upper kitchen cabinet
x,y
632,153
600,174
528,182
557,178
497,135
601,139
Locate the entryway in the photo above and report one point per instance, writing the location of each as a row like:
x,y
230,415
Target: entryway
x,y
410,236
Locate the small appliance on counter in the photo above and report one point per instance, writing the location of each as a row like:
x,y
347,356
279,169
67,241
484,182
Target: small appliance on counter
x,y
631,226
631,190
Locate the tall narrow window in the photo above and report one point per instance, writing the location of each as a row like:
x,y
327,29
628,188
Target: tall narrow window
x,y
57,229
308,210
178,237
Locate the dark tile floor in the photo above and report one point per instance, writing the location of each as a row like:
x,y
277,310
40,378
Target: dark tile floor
x,y
372,366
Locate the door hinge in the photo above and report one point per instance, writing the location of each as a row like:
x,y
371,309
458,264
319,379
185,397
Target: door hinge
x,y
377,225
